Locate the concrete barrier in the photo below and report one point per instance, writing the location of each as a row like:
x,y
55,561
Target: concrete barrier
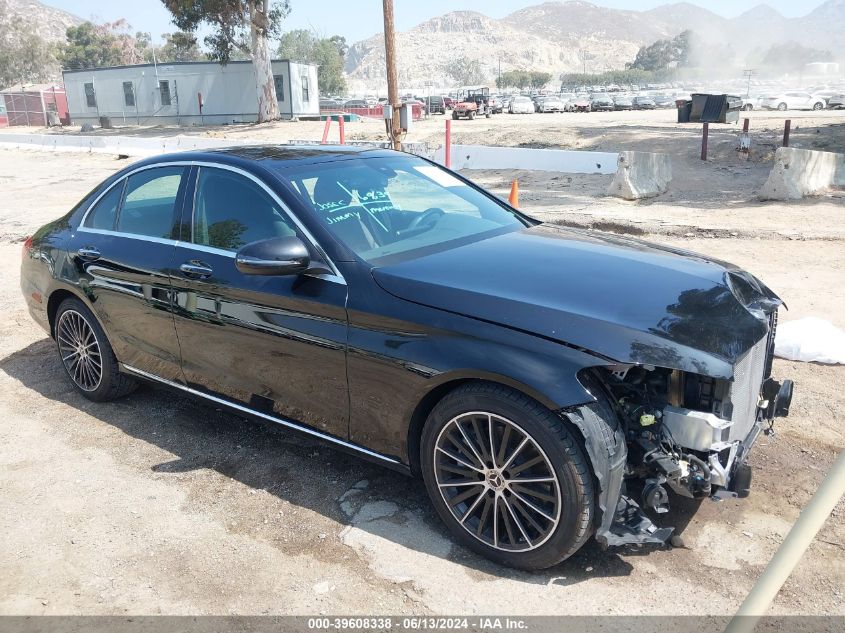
x,y
641,175
566,161
797,173
125,145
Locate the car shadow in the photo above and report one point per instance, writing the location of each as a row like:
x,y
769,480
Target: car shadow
x,y
300,471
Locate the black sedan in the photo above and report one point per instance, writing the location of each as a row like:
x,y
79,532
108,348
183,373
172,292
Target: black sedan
x,y
394,309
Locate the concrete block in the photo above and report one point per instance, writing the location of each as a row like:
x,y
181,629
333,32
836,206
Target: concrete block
x,y
556,160
641,175
797,173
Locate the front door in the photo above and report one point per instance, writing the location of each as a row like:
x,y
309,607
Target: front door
x,y
276,344
125,249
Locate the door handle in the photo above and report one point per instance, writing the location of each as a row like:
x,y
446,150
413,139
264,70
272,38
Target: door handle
x,y
88,254
196,269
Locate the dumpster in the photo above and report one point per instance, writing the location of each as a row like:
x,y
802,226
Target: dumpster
x,y
715,108
684,108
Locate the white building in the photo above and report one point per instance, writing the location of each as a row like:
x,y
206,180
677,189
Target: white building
x,y
186,93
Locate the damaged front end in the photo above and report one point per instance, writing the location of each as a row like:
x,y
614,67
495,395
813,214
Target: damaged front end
x,y
687,433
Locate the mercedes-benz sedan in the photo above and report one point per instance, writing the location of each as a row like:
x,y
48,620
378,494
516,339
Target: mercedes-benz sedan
x,y
545,383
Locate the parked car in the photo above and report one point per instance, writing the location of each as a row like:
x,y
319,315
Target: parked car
x,y
601,101
567,98
551,104
471,106
495,104
310,287
581,103
664,101
642,102
794,100
435,105
356,103
623,103
836,102
521,105
329,104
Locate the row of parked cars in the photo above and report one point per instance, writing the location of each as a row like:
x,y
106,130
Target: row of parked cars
x,y
797,100
597,102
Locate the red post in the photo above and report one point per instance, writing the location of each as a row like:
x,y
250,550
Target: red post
x,y
786,125
448,147
326,130
745,124
704,133
342,135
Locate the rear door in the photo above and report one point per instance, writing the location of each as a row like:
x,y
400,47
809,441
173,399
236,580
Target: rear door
x,y
124,250
275,344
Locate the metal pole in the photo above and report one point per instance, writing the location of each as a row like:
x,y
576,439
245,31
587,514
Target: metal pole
x,y
447,149
809,522
390,60
704,132
745,124
786,126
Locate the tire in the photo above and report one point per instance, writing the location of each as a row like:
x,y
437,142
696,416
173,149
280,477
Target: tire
x,y
76,328
782,107
455,116
471,115
747,107
558,517
818,105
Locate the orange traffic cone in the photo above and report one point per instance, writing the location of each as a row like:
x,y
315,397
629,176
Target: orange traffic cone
x,y
514,197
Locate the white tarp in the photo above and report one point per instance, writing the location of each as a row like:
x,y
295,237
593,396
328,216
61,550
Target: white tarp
x,y
810,340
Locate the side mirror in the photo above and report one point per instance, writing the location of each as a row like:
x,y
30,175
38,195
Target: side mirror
x,y
276,256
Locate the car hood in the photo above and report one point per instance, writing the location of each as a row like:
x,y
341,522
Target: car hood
x,y
620,298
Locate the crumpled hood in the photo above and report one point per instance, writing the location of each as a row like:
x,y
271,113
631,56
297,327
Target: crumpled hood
x,y
620,298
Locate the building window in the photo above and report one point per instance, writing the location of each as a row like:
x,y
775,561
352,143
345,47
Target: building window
x,y
129,94
305,96
164,88
279,81
90,96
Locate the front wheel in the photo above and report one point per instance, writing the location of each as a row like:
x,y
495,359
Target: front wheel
x,y
86,354
507,476
782,107
455,116
471,115
818,106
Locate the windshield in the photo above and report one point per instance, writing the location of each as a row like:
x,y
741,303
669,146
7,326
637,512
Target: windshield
x,y
395,208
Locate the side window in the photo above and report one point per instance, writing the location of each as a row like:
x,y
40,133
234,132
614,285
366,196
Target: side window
x,y
103,215
90,95
279,81
231,211
150,200
164,88
129,94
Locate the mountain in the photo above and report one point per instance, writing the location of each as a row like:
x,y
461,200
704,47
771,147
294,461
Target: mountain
x,y
556,36
50,23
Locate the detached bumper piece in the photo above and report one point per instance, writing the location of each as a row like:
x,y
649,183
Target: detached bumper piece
x,y
631,527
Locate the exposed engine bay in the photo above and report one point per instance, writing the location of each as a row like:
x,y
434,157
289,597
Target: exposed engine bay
x,y
690,434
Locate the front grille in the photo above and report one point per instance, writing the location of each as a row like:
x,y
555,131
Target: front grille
x,y
745,389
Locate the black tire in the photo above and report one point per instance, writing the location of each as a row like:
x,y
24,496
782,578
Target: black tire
x,y
782,107
471,115
818,105
455,115
110,384
557,447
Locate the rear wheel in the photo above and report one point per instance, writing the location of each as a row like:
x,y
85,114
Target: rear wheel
x,y
781,107
818,105
86,354
471,115
507,476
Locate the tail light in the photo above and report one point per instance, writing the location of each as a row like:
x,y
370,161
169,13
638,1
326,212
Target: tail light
x,y
27,246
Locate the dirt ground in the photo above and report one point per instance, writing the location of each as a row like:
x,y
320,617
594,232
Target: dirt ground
x,y
159,504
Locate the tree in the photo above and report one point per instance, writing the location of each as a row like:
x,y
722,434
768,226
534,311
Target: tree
x,y
179,47
465,71
90,46
231,21
665,54
328,53
523,79
24,56
792,56
538,79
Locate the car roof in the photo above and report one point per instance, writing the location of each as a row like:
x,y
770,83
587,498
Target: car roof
x,y
275,156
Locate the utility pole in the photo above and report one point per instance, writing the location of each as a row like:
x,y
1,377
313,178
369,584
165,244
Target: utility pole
x,y
392,87
749,73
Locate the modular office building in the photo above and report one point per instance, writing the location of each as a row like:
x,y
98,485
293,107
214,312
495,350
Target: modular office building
x,y
186,93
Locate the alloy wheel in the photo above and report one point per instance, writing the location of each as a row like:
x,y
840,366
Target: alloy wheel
x,y
80,350
496,480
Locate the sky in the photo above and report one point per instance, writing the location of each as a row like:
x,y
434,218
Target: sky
x,y
330,17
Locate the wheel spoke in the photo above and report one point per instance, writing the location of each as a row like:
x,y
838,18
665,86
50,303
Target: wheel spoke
x,y
506,521
481,442
458,459
535,493
469,443
469,454
485,511
515,453
516,521
490,434
462,497
516,504
459,484
503,446
532,506
475,503
525,465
